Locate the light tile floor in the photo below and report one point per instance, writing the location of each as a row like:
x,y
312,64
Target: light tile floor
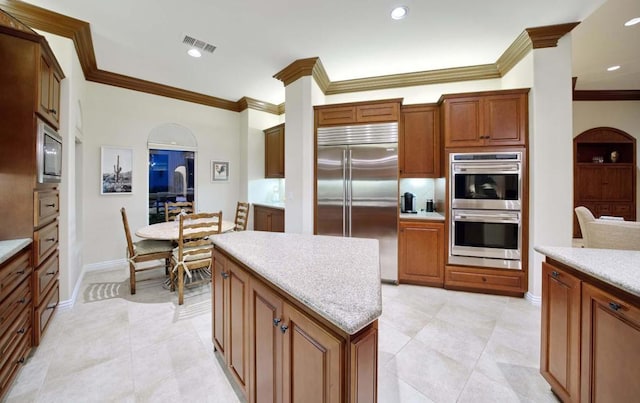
x,y
434,346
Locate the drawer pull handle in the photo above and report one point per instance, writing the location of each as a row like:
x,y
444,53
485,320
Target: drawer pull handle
x,y
555,274
276,321
51,273
20,272
614,306
224,275
50,239
284,328
52,306
50,205
21,331
21,361
53,111
22,300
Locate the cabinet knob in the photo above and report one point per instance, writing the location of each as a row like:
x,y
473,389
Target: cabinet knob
x,y
555,274
284,328
21,331
53,111
224,275
276,321
21,361
50,205
22,300
614,306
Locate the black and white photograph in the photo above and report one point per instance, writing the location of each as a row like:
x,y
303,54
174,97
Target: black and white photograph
x,y
219,171
116,170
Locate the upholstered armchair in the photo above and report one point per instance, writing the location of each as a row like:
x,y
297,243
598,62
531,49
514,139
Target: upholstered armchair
x,y
607,234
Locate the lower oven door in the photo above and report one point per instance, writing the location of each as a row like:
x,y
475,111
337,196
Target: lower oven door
x,y
478,235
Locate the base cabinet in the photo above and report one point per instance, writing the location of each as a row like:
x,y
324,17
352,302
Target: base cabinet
x,y
560,352
268,219
421,253
610,347
293,356
590,341
477,279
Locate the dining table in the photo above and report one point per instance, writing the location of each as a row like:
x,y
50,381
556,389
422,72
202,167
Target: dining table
x,y
170,230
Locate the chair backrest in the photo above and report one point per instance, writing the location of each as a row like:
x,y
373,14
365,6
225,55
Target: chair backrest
x,y
242,216
195,229
172,209
127,232
584,216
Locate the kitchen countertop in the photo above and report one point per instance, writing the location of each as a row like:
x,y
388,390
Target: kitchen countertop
x,y
619,268
336,277
422,215
278,205
10,247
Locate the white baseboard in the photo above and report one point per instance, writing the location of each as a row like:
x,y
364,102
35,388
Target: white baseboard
x,y
534,299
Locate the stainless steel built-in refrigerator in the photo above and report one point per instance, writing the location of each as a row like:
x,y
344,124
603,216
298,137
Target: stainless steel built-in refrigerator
x,y
357,187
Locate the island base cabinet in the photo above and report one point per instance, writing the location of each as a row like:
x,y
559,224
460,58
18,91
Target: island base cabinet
x,y
610,347
312,357
560,348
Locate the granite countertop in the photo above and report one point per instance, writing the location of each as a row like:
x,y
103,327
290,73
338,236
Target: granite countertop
x,y
422,215
620,268
336,277
278,205
10,247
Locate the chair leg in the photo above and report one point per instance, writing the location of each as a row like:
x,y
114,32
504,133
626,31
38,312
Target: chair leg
x,y
180,285
172,280
132,278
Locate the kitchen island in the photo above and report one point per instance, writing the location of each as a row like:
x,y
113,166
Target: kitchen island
x,y
590,333
295,316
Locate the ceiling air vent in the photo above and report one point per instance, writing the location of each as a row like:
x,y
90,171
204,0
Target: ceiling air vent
x,y
198,44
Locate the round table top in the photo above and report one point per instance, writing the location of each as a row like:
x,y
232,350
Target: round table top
x,y
169,231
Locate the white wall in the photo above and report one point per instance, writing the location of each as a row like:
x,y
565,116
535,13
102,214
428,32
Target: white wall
x,y
119,117
622,115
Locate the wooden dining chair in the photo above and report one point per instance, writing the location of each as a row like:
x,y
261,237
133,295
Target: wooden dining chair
x,y
144,251
192,256
172,209
242,216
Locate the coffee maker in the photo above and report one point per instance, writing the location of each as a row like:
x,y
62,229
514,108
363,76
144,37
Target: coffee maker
x,y
408,203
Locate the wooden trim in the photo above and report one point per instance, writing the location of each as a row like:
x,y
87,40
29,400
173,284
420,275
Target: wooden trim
x,y
297,69
606,95
255,104
514,53
548,36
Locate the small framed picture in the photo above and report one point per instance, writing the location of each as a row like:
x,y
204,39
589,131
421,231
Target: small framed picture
x,y
116,170
219,171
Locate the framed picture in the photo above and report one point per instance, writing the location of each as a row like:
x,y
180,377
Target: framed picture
x,y
116,170
219,171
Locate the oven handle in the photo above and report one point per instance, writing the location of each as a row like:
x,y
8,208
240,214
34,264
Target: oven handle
x,y
486,168
489,218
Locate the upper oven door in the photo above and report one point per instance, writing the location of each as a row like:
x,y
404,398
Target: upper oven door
x,y
486,185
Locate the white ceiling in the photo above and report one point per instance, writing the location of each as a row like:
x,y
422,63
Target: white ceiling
x,y
353,38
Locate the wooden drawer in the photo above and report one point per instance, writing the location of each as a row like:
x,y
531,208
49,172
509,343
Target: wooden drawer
x,y
337,115
21,328
45,241
46,276
14,304
387,112
47,206
44,312
510,281
18,357
14,272
621,209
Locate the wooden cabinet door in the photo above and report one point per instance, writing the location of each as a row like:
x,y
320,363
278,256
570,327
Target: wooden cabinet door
x,y
505,119
312,361
336,115
54,102
420,142
44,86
560,349
274,152
463,122
261,219
589,182
617,183
265,346
277,220
237,351
610,348
421,253
378,112
218,300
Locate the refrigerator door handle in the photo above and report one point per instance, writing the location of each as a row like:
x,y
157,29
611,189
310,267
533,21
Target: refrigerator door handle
x,y
350,189
344,192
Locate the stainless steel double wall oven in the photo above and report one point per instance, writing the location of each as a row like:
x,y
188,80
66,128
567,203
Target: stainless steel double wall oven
x,y
486,203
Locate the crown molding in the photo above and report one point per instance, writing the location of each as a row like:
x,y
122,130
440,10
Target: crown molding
x,y
255,104
297,69
606,95
548,36
514,53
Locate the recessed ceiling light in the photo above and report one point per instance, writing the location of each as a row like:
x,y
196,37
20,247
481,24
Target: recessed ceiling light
x,y
632,21
194,52
399,13
613,68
